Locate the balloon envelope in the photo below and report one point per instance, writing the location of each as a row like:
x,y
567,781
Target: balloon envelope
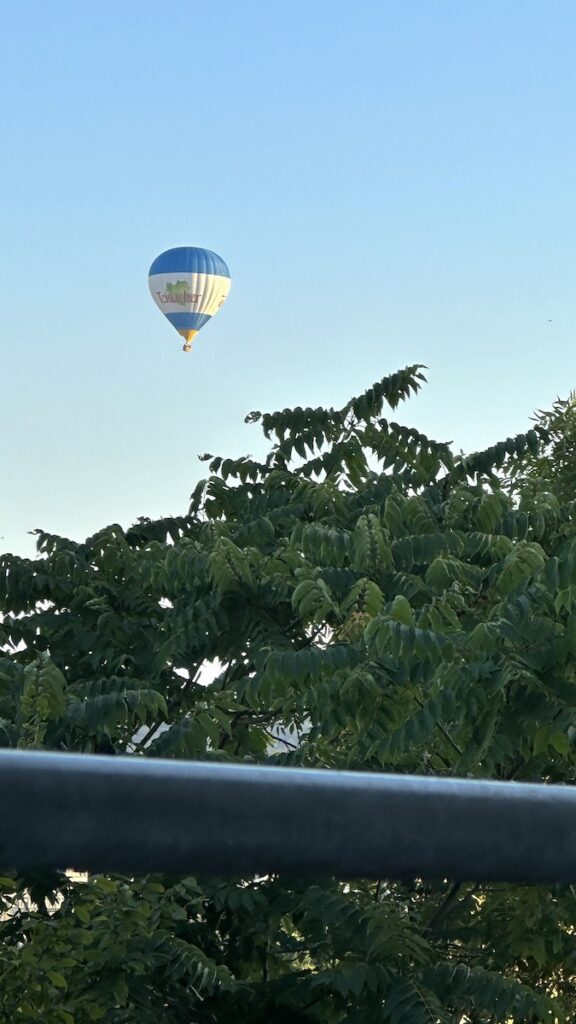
x,y
189,285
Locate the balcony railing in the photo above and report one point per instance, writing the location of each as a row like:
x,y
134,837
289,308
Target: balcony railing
x,y
136,815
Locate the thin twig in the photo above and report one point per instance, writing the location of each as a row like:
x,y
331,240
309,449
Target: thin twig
x,y
444,731
444,908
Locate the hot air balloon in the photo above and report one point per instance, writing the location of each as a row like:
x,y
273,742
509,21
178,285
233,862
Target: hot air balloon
x,y
188,285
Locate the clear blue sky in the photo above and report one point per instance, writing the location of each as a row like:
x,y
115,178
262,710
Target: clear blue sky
x,y
390,181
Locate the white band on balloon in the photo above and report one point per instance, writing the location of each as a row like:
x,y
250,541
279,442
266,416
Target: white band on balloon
x,y
187,292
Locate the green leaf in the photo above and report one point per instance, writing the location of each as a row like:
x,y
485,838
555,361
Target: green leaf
x,y
560,742
541,740
120,990
57,979
401,611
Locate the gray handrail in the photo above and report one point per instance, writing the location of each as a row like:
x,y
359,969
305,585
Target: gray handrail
x,y
135,815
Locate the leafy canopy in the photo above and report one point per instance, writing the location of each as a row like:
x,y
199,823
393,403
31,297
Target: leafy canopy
x,y
363,598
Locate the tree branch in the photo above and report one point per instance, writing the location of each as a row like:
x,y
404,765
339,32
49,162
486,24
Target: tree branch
x,y
443,909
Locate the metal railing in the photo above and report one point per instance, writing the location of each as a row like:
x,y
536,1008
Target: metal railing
x,y
136,815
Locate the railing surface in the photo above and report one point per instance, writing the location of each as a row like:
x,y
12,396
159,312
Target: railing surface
x,y
137,815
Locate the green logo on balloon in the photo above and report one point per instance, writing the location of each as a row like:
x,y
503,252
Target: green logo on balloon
x,y
178,291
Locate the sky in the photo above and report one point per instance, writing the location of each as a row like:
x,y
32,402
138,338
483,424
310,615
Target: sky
x,y
389,181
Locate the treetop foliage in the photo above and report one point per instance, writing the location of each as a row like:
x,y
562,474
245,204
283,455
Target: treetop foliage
x,y
363,598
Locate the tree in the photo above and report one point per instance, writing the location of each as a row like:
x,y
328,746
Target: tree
x,y
378,603
553,467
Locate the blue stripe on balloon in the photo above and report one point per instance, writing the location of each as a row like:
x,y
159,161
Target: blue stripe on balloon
x,y
188,321
187,259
